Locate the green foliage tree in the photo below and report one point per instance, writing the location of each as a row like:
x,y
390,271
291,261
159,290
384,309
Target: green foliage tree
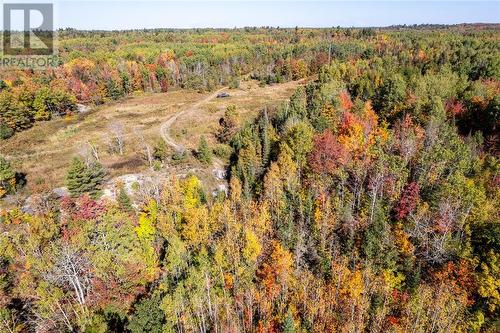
x,y
7,177
391,95
204,153
148,316
228,124
124,200
14,114
5,131
49,102
82,178
298,103
299,137
391,216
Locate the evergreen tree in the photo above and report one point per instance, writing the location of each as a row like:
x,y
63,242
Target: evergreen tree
x,y
148,316
83,178
96,177
124,200
265,127
204,153
7,177
75,178
288,324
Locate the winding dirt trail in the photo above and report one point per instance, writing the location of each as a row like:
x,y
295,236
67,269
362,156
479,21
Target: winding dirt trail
x,y
164,132
165,127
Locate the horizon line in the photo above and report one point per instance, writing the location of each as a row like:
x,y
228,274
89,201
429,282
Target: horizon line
x,y
404,25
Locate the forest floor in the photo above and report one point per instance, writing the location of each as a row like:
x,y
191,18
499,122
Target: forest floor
x,y
179,117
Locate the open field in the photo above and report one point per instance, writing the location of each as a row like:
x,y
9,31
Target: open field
x,y
249,99
45,151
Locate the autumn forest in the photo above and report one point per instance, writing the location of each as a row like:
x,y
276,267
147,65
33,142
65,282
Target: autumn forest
x,y
367,201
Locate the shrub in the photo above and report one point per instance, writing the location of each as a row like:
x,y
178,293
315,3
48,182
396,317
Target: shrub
x,y
5,131
157,165
234,83
179,156
222,151
160,150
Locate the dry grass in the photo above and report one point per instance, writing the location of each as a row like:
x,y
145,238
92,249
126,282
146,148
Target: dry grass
x,y
44,152
249,99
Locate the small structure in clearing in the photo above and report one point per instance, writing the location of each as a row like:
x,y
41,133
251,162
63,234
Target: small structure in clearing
x,y
223,95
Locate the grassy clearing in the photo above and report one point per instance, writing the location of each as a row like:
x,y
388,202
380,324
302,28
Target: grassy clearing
x,y
249,100
45,151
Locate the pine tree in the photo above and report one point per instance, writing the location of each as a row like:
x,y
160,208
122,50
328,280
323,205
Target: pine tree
x,y
84,179
264,137
124,200
289,324
7,177
204,154
96,177
75,179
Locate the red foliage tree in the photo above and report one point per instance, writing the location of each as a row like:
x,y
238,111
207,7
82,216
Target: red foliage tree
x,y
408,200
327,154
80,90
454,107
459,276
345,101
67,207
88,208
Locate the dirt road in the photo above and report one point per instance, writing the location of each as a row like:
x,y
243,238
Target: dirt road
x,y
165,127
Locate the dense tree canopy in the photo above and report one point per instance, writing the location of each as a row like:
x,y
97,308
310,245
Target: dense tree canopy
x,y
368,202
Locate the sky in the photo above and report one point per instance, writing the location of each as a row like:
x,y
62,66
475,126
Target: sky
x,y
110,15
